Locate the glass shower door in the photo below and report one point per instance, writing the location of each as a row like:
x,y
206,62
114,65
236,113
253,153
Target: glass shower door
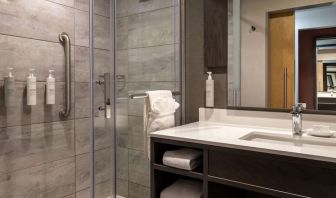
x,y
134,47
147,50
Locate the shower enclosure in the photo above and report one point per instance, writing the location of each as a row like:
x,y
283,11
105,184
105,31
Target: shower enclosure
x,y
147,57
95,147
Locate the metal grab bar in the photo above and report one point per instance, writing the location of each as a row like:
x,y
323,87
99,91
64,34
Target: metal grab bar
x,y
144,95
65,40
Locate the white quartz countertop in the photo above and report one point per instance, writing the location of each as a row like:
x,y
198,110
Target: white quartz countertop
x,y
326,95
228,135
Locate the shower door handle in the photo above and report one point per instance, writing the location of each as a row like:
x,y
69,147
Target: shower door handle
x,y
65,40
107,93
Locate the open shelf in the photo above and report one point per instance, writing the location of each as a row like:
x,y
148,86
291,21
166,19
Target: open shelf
x,y
166,176
192,174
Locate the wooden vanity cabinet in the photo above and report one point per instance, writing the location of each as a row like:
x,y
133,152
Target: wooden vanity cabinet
x,y
236,173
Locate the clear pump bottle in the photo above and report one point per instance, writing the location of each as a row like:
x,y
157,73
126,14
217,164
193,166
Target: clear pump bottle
x,y
50,88
31,88
10,90
209,89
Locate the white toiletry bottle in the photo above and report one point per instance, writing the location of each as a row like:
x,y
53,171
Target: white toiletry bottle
x,y
31,88
209,89
50,88
10,91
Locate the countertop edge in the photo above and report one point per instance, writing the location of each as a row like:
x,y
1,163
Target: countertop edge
x,y
248,148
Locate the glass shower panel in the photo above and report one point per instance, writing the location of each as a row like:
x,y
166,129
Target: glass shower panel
x,y
103,97
234,52
147,58
42,153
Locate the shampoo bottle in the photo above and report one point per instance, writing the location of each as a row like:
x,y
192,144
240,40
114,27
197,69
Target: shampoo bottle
x,y
31,88
10,92
209,89
50,88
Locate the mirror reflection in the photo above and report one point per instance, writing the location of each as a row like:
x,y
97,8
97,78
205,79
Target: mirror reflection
x,y
326,73
285,53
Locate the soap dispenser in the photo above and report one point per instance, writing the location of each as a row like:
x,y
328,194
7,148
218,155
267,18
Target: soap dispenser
x,y
209,91
50,88
10,91
31,88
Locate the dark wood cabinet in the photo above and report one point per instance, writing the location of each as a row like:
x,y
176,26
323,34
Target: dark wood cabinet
x,y
216,35
328,104
228,172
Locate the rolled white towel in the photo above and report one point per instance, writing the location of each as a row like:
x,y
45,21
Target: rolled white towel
x,y
185,158
183,189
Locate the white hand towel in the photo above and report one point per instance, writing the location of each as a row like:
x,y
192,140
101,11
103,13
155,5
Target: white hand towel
x,y
185,158
159,109
183,189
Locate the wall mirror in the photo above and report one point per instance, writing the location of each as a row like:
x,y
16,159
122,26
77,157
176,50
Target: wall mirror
x,y
282,52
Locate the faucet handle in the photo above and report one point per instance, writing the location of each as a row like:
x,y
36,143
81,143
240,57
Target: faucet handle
x,y
293,111
301,107
298,108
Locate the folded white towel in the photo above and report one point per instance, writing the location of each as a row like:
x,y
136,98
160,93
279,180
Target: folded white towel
x,y
162,103
183,189
159,109
187,159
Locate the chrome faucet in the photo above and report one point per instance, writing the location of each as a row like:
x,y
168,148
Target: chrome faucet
x,y
296,112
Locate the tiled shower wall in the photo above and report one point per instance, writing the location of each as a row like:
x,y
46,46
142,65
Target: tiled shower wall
x,y
42,155
147,58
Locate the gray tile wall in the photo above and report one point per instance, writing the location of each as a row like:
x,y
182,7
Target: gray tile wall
x,y
147,57
42,155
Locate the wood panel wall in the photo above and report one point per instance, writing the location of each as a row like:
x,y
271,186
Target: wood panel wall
x,y
216,35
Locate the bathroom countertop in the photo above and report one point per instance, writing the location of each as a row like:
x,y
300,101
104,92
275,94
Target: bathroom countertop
x,y
228,135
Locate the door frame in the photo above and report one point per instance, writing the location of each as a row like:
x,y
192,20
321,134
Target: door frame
x,y
325,65
110,122
307,66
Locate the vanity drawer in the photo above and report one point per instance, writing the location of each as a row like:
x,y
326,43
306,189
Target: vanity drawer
x,y
307,178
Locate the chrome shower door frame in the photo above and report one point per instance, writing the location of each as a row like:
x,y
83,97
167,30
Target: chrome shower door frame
x,y
111,121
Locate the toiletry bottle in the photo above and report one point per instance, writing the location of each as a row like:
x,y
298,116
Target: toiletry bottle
x,y
209,89
10,91
50,88
31,88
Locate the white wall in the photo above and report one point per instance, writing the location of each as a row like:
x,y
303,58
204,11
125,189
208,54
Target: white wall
x,y
262,118
326,55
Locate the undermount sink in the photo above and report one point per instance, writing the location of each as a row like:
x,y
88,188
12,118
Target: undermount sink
x,y
289,140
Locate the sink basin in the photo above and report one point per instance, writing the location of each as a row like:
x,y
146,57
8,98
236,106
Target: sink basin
x,y
289,140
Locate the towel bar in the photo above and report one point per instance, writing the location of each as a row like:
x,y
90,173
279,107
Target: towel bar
x,y
144,95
